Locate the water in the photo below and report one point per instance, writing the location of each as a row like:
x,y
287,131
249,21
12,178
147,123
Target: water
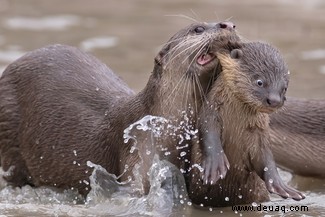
x,y
108,197
126,35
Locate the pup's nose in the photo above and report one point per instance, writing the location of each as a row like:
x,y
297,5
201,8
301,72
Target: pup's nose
x,y
274,100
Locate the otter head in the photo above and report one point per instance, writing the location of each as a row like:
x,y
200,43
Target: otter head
x,y
260,76
187,64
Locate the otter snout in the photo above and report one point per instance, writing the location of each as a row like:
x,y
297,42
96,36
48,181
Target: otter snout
x,y
274,100
226,25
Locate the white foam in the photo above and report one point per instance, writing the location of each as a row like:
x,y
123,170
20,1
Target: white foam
x,y
10,55
98,42
322,69
313,54
59,22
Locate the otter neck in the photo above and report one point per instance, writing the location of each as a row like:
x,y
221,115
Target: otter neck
x,y
139,105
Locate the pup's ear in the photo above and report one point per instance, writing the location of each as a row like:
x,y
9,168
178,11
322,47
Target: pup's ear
x,y
236,54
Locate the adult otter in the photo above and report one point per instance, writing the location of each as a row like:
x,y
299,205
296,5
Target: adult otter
x,y
252,84
298,137
61,107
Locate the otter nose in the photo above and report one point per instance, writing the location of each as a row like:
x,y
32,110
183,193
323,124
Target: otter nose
x,y
274,100
226,25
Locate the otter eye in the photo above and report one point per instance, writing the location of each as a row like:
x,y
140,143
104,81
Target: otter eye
x,y
199,29
259,82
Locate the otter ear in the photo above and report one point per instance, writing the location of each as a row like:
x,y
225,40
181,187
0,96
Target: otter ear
x,y
236,53
161,55
159,58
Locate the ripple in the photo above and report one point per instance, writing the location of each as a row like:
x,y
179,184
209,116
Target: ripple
x,y
322,69
10,55
98,42
59,22
313,54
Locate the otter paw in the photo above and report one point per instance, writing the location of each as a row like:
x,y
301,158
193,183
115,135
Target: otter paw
x,y
215,167
280,188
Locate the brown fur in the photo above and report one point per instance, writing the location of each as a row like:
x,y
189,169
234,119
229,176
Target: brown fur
x,y
298,137
241,107
61,107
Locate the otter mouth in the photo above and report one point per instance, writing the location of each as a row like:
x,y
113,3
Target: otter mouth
x,y
267,110
205,58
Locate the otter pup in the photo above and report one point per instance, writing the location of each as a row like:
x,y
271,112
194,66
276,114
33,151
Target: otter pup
x,y
61,107
298,137
252,84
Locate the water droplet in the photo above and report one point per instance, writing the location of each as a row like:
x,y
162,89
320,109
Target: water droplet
x,y
254,204
74,162
181,201
210,209
226,198
266,169
189,203
271,181
75,152
132,148
97,89
240,196
167,153
182,154
148,152
41,157
201,204
221,211
37,141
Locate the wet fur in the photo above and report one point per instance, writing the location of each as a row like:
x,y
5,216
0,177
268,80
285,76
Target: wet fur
x,y
61,107
237,102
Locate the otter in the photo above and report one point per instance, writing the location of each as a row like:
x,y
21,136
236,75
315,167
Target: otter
x,y
298,137
235,123
61,107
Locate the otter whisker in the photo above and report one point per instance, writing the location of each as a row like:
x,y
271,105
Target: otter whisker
x,y
183,51
195,14
173,91
182,44
199,86
200,47
195,97
172,41
196,55
182,16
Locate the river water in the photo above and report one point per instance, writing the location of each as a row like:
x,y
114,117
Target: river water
x,y
126,35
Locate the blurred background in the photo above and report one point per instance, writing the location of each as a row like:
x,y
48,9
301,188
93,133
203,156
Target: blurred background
x,y
126,35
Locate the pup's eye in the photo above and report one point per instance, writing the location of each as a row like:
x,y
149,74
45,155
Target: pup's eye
x,y
199,29
259,82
